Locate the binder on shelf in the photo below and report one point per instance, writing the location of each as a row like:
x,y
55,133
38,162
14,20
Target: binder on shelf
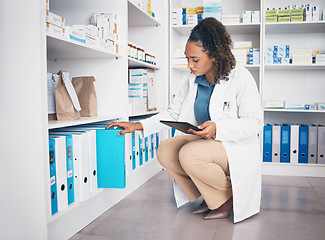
x,y
321,144
91,133
312,144
61,171
134,152
294,143
110,157
141,150
53,185
146,149
137,148
276,137
303,144
267,143
157,140
285,144
70,176
152,146
80,153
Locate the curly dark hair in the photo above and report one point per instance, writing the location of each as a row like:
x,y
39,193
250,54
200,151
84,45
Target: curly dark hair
x,y
213,36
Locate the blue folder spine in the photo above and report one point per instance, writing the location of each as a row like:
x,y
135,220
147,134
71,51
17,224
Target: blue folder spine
x,y
54,197
110,159
285,144
267,143
133,152
140,151
146,152
152,146
157,140
303,144
70,175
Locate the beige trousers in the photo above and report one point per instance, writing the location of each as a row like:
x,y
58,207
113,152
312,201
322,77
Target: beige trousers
x,y
199,166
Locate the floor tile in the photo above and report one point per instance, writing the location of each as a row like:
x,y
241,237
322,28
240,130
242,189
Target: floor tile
x,y
292,208
285,181
317,181
270,225
321,194
298,199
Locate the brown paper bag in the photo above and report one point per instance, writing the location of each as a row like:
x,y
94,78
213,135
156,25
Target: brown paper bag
x,y
65,109
86,93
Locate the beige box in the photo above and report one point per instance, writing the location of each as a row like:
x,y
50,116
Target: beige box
x,y
55,19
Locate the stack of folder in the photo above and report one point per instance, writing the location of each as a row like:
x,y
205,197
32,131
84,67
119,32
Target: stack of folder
x,y
294,143
85,159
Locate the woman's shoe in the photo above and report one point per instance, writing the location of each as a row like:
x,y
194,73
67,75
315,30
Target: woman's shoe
x,y
214,214
202,208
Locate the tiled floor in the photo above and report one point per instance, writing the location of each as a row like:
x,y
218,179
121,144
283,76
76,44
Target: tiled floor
x,y
292,208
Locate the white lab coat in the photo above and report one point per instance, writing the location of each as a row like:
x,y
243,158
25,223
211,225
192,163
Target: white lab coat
x,y
235,107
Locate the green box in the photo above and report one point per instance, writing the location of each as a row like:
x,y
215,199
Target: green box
x,y
269,13
284,12
297,18
284,19
271,19
295,12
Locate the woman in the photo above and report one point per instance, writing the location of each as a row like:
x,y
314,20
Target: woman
x,y
222,162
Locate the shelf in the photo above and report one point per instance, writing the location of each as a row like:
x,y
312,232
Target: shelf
x,y
133,63
185,69
148,113
289,169
138,18
62,48
294,27
295,66
52,124
294,110
241,28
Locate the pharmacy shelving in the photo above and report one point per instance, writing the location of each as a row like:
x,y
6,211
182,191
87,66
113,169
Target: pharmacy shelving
x,y
54,124
294,82
27,206
240,28
239,32
59,47
135,63
294,111
295,27
143,114
137,17
151,33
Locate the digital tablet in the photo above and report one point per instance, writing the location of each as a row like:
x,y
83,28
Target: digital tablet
x,y
181,126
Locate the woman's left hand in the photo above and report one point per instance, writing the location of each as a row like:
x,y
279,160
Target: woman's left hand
x,y
209,129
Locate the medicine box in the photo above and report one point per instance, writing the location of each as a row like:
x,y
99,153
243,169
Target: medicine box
x,y
255,16
55,19
271,19
284,12
271,13
294,105
273,104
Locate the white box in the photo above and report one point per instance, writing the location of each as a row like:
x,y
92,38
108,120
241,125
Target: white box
x,y
53,29
316,13
247,16
55,19
255,16
294,105
273,104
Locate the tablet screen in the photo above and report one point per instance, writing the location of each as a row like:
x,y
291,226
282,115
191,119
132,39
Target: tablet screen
x,y
181,126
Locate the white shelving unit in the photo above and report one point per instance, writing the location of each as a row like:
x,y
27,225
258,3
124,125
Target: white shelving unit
x,y
152,35
26,213
304,83
278,82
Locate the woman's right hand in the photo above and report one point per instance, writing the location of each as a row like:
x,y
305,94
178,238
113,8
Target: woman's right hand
x,y
127,126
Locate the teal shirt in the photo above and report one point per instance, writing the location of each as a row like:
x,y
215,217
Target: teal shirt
x,y
202,100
